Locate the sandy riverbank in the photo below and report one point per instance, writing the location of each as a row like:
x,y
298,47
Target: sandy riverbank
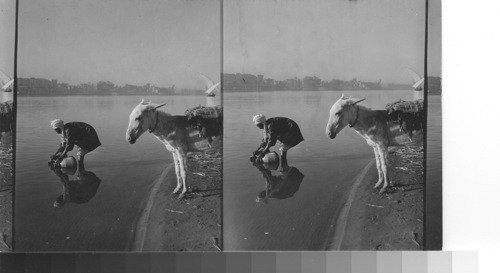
x,y
190,224
6,194
393,220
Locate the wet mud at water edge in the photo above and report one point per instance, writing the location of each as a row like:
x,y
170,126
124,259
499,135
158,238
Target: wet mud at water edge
x,y
393,220
190,224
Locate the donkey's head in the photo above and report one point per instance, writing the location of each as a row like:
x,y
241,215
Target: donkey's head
x,y
142,118
342,113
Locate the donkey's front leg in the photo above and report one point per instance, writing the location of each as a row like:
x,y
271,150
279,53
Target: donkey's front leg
x,y
177,172
379,168
383,160
183,168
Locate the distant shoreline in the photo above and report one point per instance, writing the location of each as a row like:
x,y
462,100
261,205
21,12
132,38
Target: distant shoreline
x,y
107,95
40,87
312,91
355,90
228,91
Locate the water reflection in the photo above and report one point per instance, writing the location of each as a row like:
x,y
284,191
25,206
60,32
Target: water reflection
x,y
281,186
80,190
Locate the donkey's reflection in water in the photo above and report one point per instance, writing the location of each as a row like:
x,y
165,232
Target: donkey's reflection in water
x,y
375,126
281,186
80,190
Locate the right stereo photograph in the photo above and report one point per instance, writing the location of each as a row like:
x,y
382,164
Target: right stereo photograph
x,y
332,132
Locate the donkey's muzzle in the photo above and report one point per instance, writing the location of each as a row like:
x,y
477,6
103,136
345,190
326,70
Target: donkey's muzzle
x,y
130,139
331,135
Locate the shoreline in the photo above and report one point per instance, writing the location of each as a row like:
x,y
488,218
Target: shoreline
x,y
390,221
340,222
190,224
141,226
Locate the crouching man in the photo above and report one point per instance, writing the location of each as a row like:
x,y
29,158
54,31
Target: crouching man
x,y
275,129
74,133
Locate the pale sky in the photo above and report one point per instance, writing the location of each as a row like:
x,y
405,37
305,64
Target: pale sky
x,y
122,41
170,42
434,63
7,36
367,39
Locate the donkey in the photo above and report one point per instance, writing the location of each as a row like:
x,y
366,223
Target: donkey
x,y
174,132
375,126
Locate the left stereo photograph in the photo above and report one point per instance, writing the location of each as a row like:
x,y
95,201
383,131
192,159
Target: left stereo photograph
x,y
7,120
119,126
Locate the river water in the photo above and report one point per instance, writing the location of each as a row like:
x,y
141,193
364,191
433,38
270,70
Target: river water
x,y
108,201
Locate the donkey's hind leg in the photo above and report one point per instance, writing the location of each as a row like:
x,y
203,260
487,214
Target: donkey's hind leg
x,y
383,160
183,169
379,168
177,172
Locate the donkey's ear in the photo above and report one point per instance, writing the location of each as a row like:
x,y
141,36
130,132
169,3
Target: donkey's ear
x,y
341,97
156,107
358,101
143,102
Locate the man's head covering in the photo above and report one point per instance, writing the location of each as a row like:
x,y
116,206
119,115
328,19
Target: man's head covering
x,y
57,123
259,119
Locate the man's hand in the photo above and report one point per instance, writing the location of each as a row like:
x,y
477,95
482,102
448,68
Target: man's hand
x,y
259,158
57,161
60,158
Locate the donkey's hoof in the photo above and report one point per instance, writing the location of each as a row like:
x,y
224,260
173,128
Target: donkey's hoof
x,y
181,195
176,190
382,190
377,184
